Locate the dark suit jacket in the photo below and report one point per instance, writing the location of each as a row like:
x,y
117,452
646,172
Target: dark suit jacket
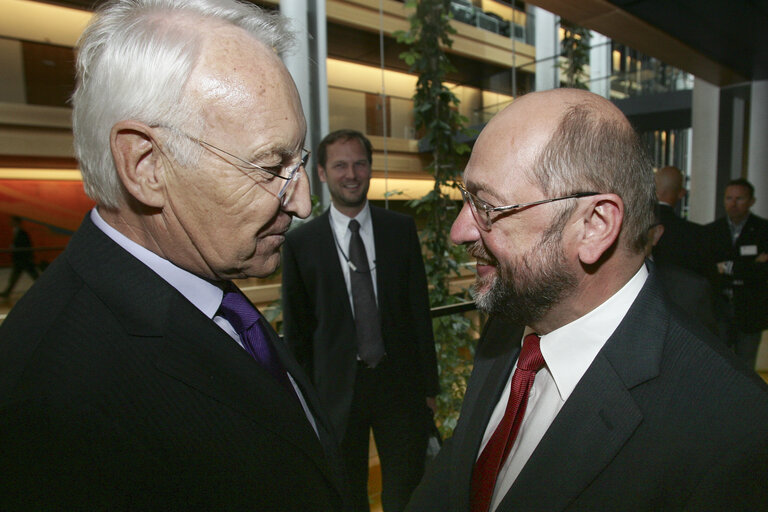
x,y
663,419
318,321
691,291
683,243
116,393
750,279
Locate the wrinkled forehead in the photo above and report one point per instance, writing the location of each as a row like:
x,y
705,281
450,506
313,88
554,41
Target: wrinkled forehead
x,y
234,68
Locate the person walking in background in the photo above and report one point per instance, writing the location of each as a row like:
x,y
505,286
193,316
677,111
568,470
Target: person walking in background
x,y
616,400
739,246
134,375
356,314
22,257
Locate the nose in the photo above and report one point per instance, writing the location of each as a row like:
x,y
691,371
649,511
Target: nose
x,y
464,229
349,173
298,202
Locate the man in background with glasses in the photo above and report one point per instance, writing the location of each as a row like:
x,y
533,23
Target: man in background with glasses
x,y
135,375
590,390
356,314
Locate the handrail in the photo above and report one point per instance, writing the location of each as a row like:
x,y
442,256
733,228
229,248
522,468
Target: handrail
x,y
452,309
33,249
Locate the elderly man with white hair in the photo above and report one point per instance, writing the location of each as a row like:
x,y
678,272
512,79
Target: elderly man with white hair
x,y
134,375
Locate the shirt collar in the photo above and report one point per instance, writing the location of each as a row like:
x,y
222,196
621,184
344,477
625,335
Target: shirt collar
x,y
737,227
570,349
340,221
205,295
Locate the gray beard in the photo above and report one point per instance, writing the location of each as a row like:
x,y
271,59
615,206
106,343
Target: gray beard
x,y
525,289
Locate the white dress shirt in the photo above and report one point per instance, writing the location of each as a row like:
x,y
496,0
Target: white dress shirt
x,y
203,294
342,235
568,352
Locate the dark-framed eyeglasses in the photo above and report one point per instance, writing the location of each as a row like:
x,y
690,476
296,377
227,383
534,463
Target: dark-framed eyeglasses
x,y
482,210
290,177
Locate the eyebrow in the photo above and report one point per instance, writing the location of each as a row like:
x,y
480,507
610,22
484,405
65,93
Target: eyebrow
x,y
343,161
280,150
481,186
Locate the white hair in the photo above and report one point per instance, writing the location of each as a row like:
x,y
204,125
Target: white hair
x,y
133,62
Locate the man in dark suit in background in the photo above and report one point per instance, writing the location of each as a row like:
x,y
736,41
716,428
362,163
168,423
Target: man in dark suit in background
x,y
739,242
23,259
615,401
134,375
373,363
683,243
688,289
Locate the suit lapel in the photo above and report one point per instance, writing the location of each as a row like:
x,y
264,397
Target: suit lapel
x,y
327,244
302,381
325,432
382,258
190,347
600,415
194,350
494,360
748,233
591,428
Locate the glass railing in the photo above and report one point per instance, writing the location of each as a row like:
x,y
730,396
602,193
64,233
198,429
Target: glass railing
x,y
635,74
368,113
498,18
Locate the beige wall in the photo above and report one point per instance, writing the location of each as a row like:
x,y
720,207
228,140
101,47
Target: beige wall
x,y
12,67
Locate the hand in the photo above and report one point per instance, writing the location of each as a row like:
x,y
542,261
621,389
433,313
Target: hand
x,y
762,257
432,404
725,267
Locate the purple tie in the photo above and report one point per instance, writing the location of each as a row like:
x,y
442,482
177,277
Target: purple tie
x,y
247,321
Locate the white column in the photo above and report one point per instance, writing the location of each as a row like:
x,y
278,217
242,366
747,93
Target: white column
x,y
600,65
297,60
547,50
307,65
705,118
738,111
757,174
757,163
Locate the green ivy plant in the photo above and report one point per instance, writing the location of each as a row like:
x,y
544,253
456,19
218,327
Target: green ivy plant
x,y
575,48
438,122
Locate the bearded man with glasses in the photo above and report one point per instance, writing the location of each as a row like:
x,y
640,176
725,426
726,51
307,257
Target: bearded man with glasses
x,y
135,374
617,399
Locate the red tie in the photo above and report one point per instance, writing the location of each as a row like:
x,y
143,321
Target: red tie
x,y
496,451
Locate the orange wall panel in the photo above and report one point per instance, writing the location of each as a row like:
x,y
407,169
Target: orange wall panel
x,y
51,211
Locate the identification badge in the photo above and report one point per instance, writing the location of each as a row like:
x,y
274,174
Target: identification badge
x,y
748,250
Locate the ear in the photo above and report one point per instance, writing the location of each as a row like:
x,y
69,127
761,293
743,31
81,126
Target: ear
x,y
602,225
321,173
138,161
